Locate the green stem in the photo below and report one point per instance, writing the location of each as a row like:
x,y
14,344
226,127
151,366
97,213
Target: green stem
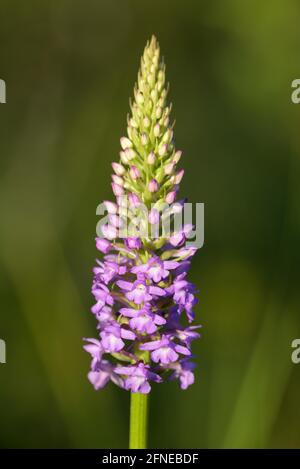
x,y
138,421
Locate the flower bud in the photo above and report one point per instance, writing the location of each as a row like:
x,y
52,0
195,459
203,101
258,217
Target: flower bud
x,y
134,200
118,180
151,158
153,185
151,79
125,143
139,98
170,197
177,156
146,122
153,216
162,151
103,245
111,207
153,95
134,172
117,189
123,157
167,136
156,130
118,169
161,75
158,112
169,168
122,201
130,153
144,139
133,123
141,83
177,177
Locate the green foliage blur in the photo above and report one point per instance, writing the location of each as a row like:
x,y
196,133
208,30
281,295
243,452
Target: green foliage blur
x,y
70,68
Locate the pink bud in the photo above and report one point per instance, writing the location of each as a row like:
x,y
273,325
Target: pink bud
x,y
125,143
144,139
178,206
156,130
130,153
122,201
151,158
168,136
117,190
117,180
134,172
153,216
153,185
178,176
163,149
169,168
103,245
133,123
134,200
177,156
123,157
111,207
118,169
170,197
158,112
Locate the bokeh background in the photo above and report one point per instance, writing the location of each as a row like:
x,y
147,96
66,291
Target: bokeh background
x,y
70,67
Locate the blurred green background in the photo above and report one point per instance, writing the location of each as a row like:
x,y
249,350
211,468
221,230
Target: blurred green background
x,y
70,67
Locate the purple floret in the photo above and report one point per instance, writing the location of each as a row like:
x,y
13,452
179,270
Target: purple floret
x,y
137,377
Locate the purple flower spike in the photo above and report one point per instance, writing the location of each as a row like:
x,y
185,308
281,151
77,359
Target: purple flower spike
x,y
144,301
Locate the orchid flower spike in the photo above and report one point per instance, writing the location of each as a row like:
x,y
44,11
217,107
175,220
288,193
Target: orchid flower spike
x,y
144,302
